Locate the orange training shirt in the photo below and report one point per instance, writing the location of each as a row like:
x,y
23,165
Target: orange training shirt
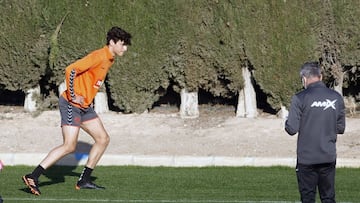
x,y
85,76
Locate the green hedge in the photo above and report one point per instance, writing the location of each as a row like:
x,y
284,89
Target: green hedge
x,y
21,37
346,14
192,44
208,54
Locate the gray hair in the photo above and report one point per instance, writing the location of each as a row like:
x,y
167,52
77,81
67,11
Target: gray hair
x,y
310,69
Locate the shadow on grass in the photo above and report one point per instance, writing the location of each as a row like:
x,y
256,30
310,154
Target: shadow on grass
x,y
57,173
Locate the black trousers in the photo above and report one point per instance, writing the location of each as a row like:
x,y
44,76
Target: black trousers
x,y
321,176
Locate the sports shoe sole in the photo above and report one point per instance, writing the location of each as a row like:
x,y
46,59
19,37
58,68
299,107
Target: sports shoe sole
x,y
93,187
32,189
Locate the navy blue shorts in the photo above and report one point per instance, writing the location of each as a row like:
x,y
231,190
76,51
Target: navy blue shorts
x,y
74,116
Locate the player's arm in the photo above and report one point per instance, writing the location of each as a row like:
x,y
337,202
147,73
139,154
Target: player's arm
x,y
292,123
75,69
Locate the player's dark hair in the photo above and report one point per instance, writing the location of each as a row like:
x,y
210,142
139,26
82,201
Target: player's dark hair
x,y
310,69
116,34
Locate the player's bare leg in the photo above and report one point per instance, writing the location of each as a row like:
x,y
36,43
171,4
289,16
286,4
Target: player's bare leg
x,y
97,131
70,136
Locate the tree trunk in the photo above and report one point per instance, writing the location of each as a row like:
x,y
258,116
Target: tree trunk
x,y
339,83
62,88
283,113
247,98
101,103
241,108
30,99
189,107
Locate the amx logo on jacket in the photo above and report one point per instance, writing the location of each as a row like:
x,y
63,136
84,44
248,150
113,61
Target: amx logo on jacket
x,y
326,104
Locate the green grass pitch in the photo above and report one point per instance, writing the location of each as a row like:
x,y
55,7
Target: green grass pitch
x,y
167,184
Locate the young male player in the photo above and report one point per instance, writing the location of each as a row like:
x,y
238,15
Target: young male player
x,y
83,80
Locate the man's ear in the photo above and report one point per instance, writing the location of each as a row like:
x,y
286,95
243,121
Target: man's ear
x,y
303,80
321,77
112,42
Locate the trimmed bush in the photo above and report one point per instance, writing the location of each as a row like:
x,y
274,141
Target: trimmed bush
x,y
190,44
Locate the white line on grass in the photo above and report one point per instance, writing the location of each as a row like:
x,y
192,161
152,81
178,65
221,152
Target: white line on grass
x,y
147,201
143,200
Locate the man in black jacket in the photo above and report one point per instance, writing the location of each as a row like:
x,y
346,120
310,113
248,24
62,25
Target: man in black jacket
x,y
317,114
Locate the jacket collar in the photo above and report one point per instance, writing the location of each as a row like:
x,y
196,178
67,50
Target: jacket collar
x,y
316,84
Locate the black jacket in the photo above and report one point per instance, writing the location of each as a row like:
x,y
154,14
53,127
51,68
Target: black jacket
x,y
317,114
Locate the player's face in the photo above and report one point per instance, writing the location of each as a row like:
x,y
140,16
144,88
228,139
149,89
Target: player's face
x,y
120,48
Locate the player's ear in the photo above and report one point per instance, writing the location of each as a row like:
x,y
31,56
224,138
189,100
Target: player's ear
x,y
112,43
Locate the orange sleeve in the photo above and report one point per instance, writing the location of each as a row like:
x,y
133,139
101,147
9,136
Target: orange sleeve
x,y
77,68
85,76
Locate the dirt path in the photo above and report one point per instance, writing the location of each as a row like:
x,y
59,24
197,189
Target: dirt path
x,y
212,134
